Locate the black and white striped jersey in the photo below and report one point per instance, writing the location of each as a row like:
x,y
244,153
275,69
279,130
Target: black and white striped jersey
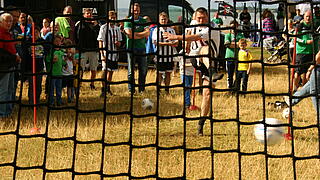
x,y
164,50
111,37
213,39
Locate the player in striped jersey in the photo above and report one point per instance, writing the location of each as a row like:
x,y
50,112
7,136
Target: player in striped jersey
x,y
109,39
166,48
205,42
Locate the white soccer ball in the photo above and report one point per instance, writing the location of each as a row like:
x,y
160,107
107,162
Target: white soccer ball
x,y
147,104
273,134
286,113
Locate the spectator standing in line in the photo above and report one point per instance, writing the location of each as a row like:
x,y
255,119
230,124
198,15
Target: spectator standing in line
x,y
304,49
280,17
67,71
289,40
39,60
8,60
15,30
109,39
66,24
165,48
244,68
297,18
207,42
245,19
86,39
217,20
55,63
136,42
230,41
45,27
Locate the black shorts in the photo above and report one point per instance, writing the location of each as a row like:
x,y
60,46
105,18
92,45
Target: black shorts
x,y
110,65
165,67
67,81
303,60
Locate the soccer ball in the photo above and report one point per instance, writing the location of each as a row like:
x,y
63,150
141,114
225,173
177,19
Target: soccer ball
x,y
147,104
286,113
274,134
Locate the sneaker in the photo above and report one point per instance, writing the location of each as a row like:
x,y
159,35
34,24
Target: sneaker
x,y
216,77
200,130
287,100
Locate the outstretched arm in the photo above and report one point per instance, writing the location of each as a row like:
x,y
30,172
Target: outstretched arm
x,y
194,37
137,35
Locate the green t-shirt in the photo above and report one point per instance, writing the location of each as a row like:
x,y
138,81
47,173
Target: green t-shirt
x,y
228,38
302,46
64,26
56,66
136,43
217,21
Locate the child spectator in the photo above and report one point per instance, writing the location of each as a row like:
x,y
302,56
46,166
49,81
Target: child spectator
x,y
230,41
77,70
55,65
165,48
39,60
46,27
243,68
67,71
112,43
186,74
217,20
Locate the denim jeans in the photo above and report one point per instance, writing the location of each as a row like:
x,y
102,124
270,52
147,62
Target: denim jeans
x,y
6,93
56,84
188,80
142,68
231,65
38,88
310,88
242,75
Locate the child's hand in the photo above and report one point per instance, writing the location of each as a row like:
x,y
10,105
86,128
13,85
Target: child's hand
x,y
118,43
55,59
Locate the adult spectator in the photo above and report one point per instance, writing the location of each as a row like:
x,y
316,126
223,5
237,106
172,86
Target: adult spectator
x,y
8,60
66,24
45,27
207,42
268,27
136,42
304,49
290,40
230,41
297,18
87,32
280,17
110,39
245,18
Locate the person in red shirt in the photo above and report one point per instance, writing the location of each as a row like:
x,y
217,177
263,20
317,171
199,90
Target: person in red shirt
x,y
8,59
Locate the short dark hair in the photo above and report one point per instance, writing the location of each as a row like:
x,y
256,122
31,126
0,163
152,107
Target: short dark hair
x,y
202,10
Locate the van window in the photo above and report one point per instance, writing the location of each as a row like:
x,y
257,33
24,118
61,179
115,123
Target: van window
x,y
175,14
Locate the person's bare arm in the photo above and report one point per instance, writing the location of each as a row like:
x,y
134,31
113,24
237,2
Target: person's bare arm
x,y
169,36
171,43
137,35
103,58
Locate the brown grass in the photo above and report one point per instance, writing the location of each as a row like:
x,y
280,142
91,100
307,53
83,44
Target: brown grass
x,y
59,154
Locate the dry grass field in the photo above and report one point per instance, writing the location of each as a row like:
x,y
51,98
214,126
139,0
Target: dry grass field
x,y
164,140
